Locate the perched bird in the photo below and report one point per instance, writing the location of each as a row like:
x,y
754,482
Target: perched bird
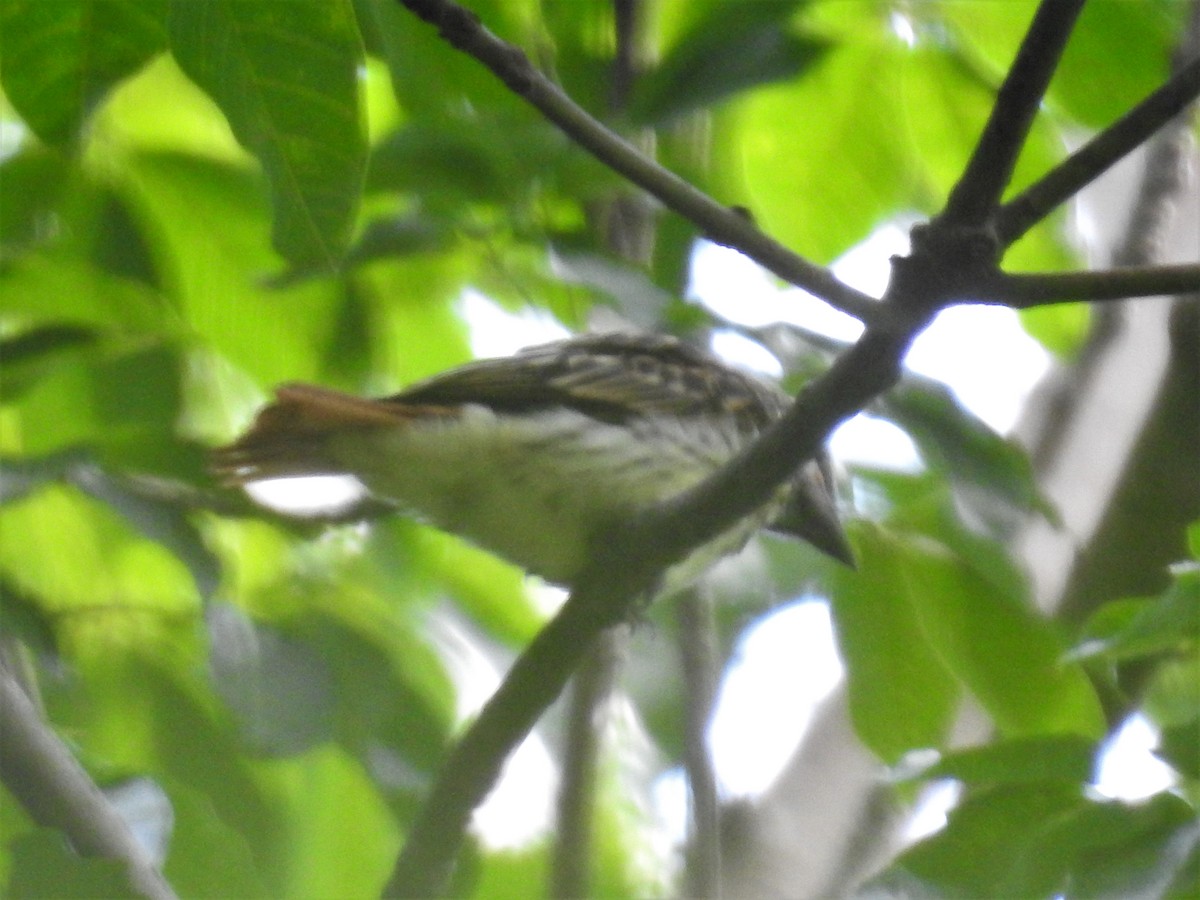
x,y
536,455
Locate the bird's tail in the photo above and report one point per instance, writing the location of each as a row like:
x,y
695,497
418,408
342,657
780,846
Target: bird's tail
x,y
291,436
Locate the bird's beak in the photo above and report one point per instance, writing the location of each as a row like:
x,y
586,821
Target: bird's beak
x,y
810,514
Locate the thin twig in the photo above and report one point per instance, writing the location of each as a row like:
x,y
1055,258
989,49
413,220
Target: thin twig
x,y
977,193
697,645
40,772
720,223
1095,157
570,861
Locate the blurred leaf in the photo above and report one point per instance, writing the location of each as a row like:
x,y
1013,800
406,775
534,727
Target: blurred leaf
x,y
975,611
147,709
123,405
285,77
61,59
155,514
401,236
207,858
901,694
990,841
1128,629
1055,758
1122,850
344,838
278,689
35,181
217,273
418,59
24,618
1061,329
627,287
71,291
1046,839
1142,37
103,585
32,354
449,163
733,48
819,156
44,867
1179,745
992,475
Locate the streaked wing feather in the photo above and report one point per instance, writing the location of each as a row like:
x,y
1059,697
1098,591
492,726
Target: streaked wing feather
x,y
609,376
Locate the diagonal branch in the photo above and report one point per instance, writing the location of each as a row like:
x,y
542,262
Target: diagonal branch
x,y
1092,159
720,223
40,772
978,191
624,569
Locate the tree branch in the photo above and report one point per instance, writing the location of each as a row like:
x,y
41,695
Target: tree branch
x,y
977,193
720,223
701,671
40,772
1025,291
627,562
1096,156
625,567
571,858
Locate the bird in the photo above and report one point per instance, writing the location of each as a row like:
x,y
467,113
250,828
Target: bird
x,y
538,455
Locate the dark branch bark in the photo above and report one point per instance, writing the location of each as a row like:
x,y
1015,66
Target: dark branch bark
x,y
1027,291
719,223
976,195
1096,156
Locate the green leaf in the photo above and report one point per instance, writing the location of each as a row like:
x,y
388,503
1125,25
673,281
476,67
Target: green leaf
x,y
993,839
1040,840
819,161
44,867
1055,758
733,48
1128,850
61,59
151,510
216,274
1061,329
1179,745
1128,629
992,474
32,355
207,857
285,77
902,696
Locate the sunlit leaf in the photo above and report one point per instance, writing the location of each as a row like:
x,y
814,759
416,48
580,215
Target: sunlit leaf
x,y
62,58
902,696
733,48
285,76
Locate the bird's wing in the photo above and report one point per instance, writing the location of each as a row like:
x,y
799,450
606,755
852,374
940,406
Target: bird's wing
x,y
608,376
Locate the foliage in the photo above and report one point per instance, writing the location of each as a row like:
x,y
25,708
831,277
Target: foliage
x,y
203,200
